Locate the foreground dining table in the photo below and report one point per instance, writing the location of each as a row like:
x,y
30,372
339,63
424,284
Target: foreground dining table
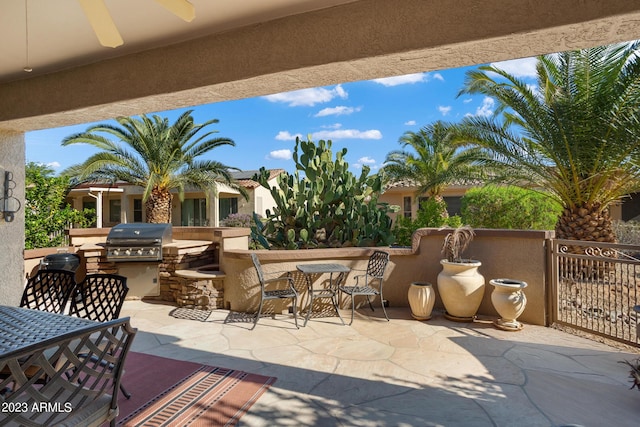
x,y
23,327
330,290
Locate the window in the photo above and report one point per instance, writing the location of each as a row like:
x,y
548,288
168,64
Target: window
x,y
407,207
114,210
194,212
228,206
421,200
137,210
454,205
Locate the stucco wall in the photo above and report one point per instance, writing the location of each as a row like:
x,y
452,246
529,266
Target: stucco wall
x,y
12,159
504,254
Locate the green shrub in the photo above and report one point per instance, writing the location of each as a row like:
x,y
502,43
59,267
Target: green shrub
x,y
429,215
243,220
238,220
46,214
509,207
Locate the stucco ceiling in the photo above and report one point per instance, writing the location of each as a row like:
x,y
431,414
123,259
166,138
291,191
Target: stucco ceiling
x,y
237,49
60,36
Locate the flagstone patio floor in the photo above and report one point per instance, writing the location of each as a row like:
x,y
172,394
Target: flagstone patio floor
x,y
403,372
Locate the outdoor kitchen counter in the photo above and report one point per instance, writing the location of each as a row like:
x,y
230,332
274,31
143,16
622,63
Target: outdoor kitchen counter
x,y
177,246
185,246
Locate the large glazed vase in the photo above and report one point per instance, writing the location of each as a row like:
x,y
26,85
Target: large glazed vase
x,y
509,301
461,288
421,300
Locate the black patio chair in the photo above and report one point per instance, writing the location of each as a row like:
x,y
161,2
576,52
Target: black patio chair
x,y
275,294
49,290
100,297
370,283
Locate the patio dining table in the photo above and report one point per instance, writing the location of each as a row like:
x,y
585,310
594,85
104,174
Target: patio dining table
x,y
24,327
330,290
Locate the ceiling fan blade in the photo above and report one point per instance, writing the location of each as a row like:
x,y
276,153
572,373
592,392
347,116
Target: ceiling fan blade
x,y
101,21
181,8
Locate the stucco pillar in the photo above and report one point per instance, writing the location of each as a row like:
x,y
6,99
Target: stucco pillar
x,y
213,209
125,208
12,159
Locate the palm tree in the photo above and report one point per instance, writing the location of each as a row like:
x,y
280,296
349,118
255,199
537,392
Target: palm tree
x,y
154,155
576,135
434,161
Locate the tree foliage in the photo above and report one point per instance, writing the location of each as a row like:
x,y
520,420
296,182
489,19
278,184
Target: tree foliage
x,y
46,213
509,207
431,159
576,133
323,204
158,156
429,215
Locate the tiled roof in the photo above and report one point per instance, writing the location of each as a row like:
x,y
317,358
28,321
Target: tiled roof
x,y
407,183
244,177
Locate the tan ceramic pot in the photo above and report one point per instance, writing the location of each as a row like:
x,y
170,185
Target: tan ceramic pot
x,y
509,301
461,288
421,300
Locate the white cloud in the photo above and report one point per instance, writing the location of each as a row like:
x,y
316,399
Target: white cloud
x,y
308,97
339,110
347,134
467,100
522,68
366,161
333,126
280,154
284,135
486,109
410,123
409,79
444,109
402,80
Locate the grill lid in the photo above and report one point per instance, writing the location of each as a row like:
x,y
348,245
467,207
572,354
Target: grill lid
x,y
140,234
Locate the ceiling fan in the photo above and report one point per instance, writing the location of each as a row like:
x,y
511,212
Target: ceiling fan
x,y
106,29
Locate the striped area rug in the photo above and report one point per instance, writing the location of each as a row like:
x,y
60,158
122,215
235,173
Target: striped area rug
x,y
203,396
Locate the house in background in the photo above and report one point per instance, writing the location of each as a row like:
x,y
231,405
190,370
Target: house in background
x,y
403,194
122,202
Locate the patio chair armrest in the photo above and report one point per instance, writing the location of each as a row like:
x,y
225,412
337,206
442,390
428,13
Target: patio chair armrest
x,y
80,390
279,279
357,278
288,279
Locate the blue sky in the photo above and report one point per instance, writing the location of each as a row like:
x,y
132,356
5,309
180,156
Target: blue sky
x,y
366,117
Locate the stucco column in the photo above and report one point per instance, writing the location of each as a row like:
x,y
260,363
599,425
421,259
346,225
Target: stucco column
x,y
214,209
12,159
125,208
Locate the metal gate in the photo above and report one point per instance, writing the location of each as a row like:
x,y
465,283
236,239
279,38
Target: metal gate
x,y
594,288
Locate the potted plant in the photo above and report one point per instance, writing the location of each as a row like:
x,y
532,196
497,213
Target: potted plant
x,y
460,284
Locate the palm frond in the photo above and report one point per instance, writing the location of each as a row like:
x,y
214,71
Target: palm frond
x,y
456,242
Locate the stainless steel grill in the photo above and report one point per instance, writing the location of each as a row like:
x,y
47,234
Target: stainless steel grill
x,y
138,241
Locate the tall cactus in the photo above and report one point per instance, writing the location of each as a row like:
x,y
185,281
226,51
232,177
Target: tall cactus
x,y
323,204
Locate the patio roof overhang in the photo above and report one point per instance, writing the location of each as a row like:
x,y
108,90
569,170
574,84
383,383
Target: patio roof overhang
x,y
354,40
